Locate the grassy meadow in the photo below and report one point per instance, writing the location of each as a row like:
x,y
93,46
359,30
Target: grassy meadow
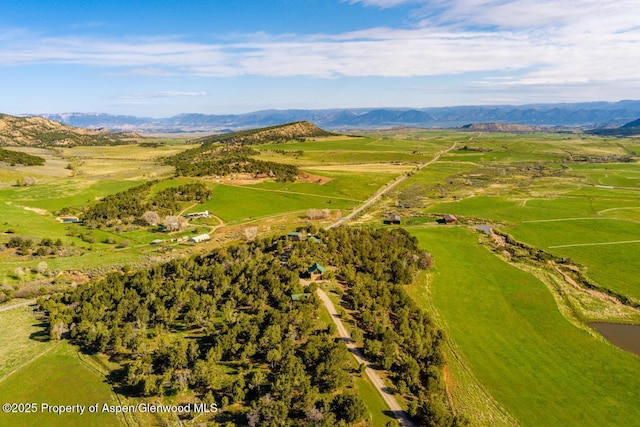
x,y
512,355
34,369
68,382
509,332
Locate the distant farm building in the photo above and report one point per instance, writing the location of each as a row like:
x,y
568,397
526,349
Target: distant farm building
x,y
316,271
193,215
450,219
199,239
392,219
157,241
69,219
295,235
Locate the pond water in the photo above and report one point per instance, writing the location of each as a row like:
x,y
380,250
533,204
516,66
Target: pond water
x,y
627,337
484,227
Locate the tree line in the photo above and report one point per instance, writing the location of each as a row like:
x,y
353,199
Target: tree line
x,y
176,326
228,159
374,265
238,164
128,206
14,158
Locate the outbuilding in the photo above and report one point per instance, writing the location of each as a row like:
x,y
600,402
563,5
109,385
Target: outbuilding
x,y
392,219
450,219
200,238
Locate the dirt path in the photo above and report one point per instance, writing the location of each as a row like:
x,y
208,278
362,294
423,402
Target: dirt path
x,y
388,187
14,306
187,208
377,382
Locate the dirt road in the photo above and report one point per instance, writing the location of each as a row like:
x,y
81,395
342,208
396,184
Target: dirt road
x,y
14,306
388,187
384,391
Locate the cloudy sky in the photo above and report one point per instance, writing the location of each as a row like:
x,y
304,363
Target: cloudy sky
x,y
162,57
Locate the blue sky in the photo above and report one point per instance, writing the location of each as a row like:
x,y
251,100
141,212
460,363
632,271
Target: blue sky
x,y
159,58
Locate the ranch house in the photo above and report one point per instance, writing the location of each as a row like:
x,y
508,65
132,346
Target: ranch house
x,y
316,271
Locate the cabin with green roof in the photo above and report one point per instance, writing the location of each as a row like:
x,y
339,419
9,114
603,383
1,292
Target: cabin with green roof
x,y
316,271
298,297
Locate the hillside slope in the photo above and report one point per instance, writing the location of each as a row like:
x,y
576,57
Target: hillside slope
x,y
38,131
629,129
279,133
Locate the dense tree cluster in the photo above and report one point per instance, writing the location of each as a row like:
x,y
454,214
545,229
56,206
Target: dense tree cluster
x,y
236,309
295,131
18,158
238,164
168,200
223,160
176,326
374,264
128,206
210,152
24,246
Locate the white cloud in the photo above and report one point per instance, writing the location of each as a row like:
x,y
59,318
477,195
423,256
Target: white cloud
x,y
531,43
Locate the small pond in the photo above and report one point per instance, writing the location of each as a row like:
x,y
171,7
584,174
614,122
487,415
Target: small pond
x,y
485,227
627,337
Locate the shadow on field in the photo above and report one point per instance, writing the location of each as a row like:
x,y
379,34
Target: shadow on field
x,y
42,334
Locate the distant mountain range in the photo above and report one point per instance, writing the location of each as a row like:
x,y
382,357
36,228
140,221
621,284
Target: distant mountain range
x,y
577,115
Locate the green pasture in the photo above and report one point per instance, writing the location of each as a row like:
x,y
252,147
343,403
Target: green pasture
x,y
321,158
443,169
70,193
343,184
366,144
609,174
125,152
590,218
499,156
58,377
354,151
469,398
22,338
510,334
575,204
238,203
608,247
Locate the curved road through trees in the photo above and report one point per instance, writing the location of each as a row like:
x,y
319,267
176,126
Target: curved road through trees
x,y
384,391
377,382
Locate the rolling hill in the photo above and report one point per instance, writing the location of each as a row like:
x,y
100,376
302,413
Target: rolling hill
x,y
38,131
629,129
285,132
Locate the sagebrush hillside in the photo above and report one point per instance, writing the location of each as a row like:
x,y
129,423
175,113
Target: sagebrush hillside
x,y
280,133
230,153
38,131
